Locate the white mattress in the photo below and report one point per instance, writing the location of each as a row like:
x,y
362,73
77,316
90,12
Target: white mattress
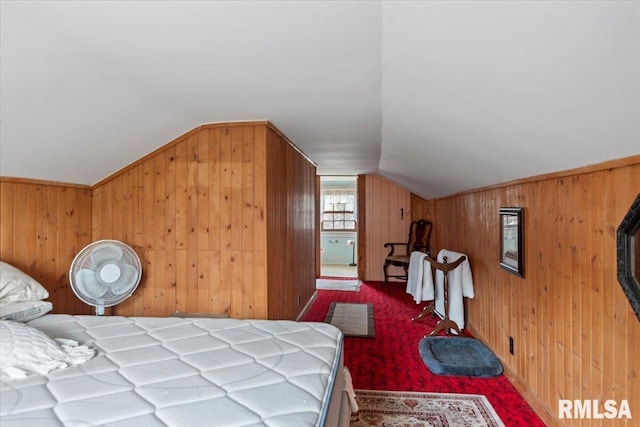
x,y
181,372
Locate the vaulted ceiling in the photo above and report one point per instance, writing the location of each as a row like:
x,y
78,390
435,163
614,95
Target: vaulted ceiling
x,y
440,97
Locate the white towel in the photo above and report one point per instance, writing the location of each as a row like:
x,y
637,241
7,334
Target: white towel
x,y
348,388
419,278
460,283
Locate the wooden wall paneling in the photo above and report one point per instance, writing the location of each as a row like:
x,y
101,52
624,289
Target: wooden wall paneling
x,y
7,222
247,225
317,226
383,201
290,231
632,326
191,220
147,287
597,321
167,158
136,301
63,249
217,293
373,228
19,226
107,205
627,333
51,236
617,188
56,242
235,249
69,238
362,184
291,288
181,230
51,244
310,224
30,225
156,253
126,210
276,224
25,212
578,251
196,211
41,230
22,199
96,212
573,327
81,231
261,269
615,312
41,235
292,281
117,207
313,208
201,224
377,227
226,234
304,210
534,221
301,205
562,267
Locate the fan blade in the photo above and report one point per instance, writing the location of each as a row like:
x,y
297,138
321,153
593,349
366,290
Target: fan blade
x,y
86,281
126,281
106,253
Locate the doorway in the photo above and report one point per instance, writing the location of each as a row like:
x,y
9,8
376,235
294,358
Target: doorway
x,y
338,226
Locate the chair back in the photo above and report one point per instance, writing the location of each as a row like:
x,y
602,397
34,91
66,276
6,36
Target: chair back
x,y
420,236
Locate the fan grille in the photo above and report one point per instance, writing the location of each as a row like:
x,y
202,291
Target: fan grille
x,y
105,273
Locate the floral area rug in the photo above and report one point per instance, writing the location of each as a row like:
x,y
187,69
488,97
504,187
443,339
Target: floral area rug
x,y
413,409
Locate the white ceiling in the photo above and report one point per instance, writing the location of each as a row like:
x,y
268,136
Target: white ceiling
x,y
439,96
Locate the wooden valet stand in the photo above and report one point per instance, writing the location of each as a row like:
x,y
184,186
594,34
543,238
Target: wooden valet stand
x,y
444,323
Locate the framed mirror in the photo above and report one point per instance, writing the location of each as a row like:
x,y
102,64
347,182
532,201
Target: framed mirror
x,y
629,255
511,243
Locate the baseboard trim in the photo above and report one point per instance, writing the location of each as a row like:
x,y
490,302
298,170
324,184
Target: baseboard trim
x,y
307,306
523,388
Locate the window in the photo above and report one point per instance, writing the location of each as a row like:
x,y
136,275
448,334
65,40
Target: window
x,y
338,210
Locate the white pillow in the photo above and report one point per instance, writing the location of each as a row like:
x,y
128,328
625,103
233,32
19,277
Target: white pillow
x,y
24,311
25,350
16,286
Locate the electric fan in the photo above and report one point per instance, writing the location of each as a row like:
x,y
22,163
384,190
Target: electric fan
x,y
105,273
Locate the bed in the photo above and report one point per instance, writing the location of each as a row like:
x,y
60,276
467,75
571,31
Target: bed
x,y
185,372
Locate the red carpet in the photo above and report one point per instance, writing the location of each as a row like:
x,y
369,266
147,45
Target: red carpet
x,y
391,361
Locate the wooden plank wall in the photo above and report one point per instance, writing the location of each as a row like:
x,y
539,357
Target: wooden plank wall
x,y
575,334
193,212
42,227
223,221
382,223
291,180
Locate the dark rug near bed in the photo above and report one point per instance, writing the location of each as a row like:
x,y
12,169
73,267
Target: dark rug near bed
x,y
459,356
354,320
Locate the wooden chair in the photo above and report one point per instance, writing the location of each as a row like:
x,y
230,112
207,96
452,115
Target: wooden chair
x,y
419,240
